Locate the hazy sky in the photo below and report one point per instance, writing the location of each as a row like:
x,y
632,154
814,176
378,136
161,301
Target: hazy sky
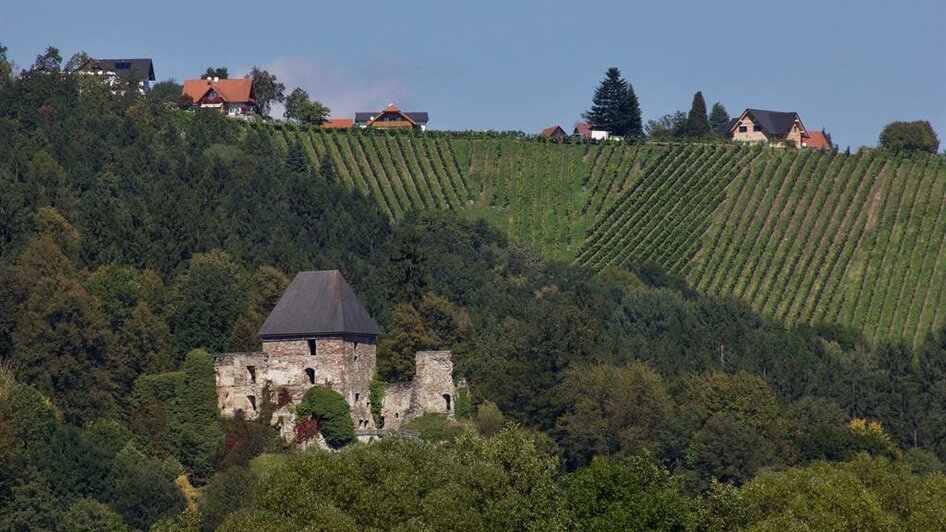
x,y
845,65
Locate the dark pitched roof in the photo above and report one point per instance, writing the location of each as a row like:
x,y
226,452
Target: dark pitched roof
x,y
318,304
364,118
124,67
774,122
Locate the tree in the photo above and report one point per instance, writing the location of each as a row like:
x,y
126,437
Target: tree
x,y
301,109
48,61
612,410
207,298
216,72
194,431
77,61
697,123
165,92
407,335
89,515
296,160
229,491
329,412
615,107
719,120
32,505
667,127
910,136
266,88
634,494
327,170
6,68
141,489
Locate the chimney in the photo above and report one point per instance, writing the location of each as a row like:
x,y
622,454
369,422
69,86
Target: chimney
x,y
216,79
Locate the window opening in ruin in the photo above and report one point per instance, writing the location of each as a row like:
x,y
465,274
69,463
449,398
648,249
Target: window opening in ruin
x,y
396,415
251,370
252,400
446,397
310,373
313,347
357,395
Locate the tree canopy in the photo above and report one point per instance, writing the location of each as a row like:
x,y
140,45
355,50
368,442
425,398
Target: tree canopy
x,y
615,107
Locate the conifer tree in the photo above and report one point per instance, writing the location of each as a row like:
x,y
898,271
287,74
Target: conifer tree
x,y
697,123
327,170
296,159
719,120
615,107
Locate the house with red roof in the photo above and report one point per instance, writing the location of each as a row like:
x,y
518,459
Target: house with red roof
x,y
232,97
337,123
817,140
553,132
392,118
584,130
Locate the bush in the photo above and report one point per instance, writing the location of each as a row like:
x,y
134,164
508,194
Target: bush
x,y
435,428
329,410
911,136
376,397
489,420
464,405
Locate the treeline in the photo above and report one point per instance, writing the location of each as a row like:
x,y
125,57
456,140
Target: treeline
x,y
137,238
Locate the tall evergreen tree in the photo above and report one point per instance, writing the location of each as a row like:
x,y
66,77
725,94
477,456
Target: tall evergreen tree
x,y
697,122
614,106
719,120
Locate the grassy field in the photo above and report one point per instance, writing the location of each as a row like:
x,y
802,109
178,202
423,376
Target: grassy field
x,y
804,237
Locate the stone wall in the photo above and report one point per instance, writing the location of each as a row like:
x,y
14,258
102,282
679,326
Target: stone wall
x,y
431,390
342,365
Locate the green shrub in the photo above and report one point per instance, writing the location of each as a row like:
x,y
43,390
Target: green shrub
x,y
463,408
376,397
489,420
330,412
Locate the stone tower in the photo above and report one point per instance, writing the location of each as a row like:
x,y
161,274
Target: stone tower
x,y
319,333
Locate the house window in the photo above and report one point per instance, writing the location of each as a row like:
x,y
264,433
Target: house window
x,y
313,347
743,129
310,374
756,127
251,372
122,66
252,400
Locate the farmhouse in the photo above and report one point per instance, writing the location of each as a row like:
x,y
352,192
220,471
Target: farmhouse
x,y
337,123
232,97
392,118
553,132
585,130
116,71
776,127
320,334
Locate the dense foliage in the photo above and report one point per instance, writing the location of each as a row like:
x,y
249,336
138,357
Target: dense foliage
x,y
329,411
910,136
615,107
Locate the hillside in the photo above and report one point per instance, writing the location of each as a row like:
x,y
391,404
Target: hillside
x,y
803,236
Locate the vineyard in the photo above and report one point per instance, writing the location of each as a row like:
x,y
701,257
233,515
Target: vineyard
x,y
803,236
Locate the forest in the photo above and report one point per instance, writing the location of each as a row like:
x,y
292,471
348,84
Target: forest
x,y
137,240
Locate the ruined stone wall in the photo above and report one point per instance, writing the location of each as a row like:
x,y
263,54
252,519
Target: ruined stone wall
x,y
431,390
343,365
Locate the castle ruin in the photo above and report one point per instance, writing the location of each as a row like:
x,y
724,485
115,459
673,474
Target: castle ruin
x,y
319,333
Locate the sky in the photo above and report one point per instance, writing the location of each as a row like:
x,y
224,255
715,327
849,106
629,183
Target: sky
x,y
844,65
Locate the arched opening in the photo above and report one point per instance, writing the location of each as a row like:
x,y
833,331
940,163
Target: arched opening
x,y
446,397
357,395
252,400
310,374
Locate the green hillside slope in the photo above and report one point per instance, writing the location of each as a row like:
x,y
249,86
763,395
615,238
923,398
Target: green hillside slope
x,y
803,236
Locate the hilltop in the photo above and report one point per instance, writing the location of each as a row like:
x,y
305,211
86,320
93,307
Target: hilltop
x,y
804,236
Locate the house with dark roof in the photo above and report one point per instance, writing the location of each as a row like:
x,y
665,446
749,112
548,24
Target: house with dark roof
x,y
392,118
118,70
232,97
553,132
775,127
319,334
